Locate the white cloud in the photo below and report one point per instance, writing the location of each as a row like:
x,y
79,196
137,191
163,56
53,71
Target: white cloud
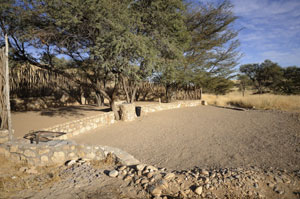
x,y
270,29
287,58
263,8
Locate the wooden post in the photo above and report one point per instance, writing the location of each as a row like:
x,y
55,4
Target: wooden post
x,y
7,89
200,93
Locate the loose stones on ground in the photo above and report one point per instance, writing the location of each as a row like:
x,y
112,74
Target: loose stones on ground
x,y
159,182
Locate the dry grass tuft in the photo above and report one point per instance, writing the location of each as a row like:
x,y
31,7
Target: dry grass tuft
x,y
264,101
12,180
110,160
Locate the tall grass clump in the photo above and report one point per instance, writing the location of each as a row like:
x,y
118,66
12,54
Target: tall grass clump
x,y
264,101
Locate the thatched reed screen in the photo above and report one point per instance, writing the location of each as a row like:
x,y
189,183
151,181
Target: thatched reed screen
x,y
3,103
30,81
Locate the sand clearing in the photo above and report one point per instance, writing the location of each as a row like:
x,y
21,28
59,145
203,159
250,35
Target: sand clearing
x,y
207,136
24,122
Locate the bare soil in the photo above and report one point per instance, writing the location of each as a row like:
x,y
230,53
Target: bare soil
x,y
207,137
184,139
24,122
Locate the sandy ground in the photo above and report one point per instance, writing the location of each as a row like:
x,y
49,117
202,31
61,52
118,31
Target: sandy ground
x,y
24,122
207,137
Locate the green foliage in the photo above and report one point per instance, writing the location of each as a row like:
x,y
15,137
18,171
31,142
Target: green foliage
x,y
124,41
211,53
218,85
213,47
269,76
291,80
243,82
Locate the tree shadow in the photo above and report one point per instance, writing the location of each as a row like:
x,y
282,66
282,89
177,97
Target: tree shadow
x,y
73,110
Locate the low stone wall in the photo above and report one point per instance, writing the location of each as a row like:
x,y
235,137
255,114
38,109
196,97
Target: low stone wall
x,y
166,106
48,153
4,135
80,126
59,152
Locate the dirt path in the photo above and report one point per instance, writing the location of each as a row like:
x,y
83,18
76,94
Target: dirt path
x,y
207,136
23,122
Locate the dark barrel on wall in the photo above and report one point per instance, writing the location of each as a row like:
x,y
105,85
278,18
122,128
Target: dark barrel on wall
x,y
138,110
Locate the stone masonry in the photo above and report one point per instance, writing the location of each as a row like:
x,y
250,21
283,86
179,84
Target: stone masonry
x,y
4,135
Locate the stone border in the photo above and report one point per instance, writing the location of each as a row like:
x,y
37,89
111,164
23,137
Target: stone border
x,y
167,106
84,125
59,152
4,135
87,124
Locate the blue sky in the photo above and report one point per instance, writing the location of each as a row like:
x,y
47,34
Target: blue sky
x,y
270,29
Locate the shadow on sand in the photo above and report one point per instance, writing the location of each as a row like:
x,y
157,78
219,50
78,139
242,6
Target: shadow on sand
x,y
73,110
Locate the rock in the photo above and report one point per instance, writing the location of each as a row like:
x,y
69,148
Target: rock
x,y
140,167
123,172
29,153
278,180
32,171
163,184
150,175
127,178
58,157
182,195
205,180
204,172
145,185
151,168
155,191
23,169
169,176
122,168
271,185
277,190
70,162
113,173
143,181
207,186
44,159
198,190
138,181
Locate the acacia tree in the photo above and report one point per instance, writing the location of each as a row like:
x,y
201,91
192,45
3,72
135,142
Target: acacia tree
x,y
212,53
266,75
269,76
163,22
291,81
105,40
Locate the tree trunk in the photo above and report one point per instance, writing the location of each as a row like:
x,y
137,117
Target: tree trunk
x,y
125,89
133,94
7,90
99,99
201,93
137,96
167,92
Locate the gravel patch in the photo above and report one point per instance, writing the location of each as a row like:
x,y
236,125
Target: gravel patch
x,y
207,137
